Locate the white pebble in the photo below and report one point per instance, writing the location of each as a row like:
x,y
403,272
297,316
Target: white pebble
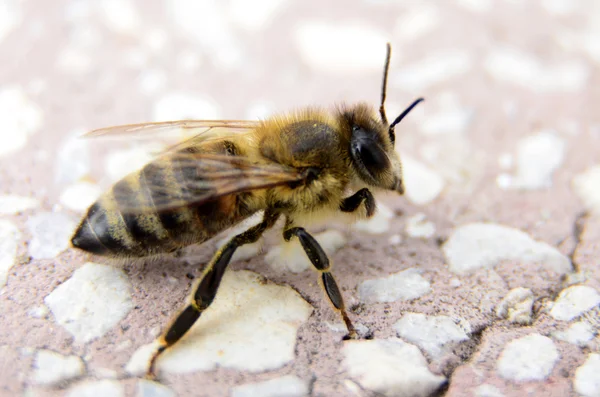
x,y
12,204
454,160
105,373
182,106
538,157
559,7
259,110
148,388
455,283
121,16
135,58
421,183
152,81
11,16
484,245
504,181
40,311
91,302
516,306
90,388
155,39
436,68
19,118
291,256
120,163
395,239
451,119
579,333
377,224
418,227
138,363
405,285
207,22
587,381
486,390
126,344
73,159
251,326
528,358
51,368
254,15
335,47
574,301
587,187
285,386
51,232
390,367
419,20
353,388
189,61
476,5
431,333
341,327
505,160
515,66
75,60
79,196
9,239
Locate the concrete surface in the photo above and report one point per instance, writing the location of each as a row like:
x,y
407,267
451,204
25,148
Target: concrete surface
x,y
483,280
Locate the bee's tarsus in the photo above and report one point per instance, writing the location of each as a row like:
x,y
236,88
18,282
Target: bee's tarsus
x,y
352,203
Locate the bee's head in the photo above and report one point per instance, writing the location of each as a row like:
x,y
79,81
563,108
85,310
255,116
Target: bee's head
x,y
372,148
372,141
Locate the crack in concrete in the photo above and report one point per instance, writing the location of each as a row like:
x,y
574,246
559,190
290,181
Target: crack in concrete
x,y
577,232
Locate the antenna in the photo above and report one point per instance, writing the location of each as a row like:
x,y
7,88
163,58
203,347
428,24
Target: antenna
x,y
384,83
408,109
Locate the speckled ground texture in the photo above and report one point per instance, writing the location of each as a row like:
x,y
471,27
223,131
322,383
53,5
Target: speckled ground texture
x,y
483,280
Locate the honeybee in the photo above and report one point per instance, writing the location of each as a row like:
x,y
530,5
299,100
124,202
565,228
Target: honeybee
x,y
288,166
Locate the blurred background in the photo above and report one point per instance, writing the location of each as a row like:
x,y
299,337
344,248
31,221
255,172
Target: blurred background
x,y
491,71
511,117
81,64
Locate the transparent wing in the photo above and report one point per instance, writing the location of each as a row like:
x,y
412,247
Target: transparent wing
x,y
176,135
193,179
165,128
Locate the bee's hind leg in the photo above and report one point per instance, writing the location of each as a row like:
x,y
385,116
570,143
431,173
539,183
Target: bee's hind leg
x,y
319,259
206,288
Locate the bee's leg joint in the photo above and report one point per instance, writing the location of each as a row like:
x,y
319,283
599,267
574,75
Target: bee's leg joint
x,y
319,259
351,204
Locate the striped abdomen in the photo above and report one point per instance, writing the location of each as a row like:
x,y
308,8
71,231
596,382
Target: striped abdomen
x,y
125,222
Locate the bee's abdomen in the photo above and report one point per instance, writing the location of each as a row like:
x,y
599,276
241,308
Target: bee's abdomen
x,y
97,233
125,221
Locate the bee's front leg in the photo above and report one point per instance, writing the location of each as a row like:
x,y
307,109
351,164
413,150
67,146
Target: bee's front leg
x,y
351,204
319,259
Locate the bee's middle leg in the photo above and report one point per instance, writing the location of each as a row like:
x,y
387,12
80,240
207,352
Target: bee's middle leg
x,y
352,203
207,287
319,259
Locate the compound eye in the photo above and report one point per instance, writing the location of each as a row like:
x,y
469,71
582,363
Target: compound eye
x,y
372,157
368,154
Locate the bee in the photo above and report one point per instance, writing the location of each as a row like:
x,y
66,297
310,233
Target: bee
x,y
288,166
